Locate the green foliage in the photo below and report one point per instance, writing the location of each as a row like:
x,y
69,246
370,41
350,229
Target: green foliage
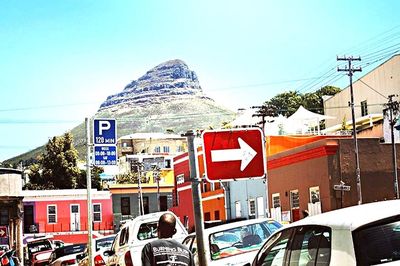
x,y
288,102
57,167
95,172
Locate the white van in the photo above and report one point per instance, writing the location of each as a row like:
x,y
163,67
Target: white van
x,y
127,247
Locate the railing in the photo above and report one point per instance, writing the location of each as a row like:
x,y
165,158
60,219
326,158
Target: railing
x,y
102,227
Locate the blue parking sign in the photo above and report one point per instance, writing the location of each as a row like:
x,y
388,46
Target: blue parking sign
x,y
104,132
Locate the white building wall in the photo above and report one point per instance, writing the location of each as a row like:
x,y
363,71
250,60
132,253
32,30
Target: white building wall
x,y
385,80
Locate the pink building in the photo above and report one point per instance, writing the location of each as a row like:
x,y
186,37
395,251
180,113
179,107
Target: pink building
x,y
63,214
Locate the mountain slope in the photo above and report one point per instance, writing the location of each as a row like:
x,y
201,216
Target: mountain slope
x,y
167,97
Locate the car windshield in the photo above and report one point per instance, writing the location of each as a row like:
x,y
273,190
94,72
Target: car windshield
x,y
378,243
104,242
240,239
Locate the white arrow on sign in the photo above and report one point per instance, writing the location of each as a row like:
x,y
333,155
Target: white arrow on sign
x,y
2,232
244,154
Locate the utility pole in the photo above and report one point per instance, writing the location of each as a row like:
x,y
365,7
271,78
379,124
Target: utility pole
x,y
263,112
138,167
393,108
89,188
350,71
196,194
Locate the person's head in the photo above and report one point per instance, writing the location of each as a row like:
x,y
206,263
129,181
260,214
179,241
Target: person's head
x,y
166,226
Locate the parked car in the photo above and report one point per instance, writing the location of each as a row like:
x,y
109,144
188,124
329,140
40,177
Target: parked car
x,y
233,243
66,255
100,245
134,234
39,251
367,234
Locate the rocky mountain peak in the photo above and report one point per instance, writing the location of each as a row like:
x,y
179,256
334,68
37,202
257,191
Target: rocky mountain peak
x,y
166,81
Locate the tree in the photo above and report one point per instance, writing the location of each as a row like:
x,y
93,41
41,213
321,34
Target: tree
x,y
285,103
95,172
288,102
57,167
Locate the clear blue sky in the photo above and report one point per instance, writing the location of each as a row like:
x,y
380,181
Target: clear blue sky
x,y
60,59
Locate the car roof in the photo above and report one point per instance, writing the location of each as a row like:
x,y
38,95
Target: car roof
x,y
226,226
353,217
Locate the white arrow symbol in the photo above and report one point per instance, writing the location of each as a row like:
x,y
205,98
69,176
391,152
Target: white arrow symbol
x,y
245,154
2,233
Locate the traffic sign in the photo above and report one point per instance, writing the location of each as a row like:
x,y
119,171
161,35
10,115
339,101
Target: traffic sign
x,y
104,131
341,187
234,154
105,155
3,231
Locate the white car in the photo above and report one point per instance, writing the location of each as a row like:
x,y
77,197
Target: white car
x,y
134,234
233,243
100,245
367,234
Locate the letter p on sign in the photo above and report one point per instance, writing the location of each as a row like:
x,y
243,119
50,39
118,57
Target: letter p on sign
x,y
104,125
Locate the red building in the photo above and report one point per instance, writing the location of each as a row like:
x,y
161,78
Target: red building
x,y
213,196
63,214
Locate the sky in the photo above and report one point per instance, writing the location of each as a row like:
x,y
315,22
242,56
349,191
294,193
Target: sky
x,y
59,60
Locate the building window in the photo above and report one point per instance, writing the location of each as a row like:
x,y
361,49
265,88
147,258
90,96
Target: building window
x,y
252,207
180,179
97,212
51,214
167,164
276,200
125,206
163,203
314,194
166,149
212,186
207,216
294,199
157,149
179,149
364,108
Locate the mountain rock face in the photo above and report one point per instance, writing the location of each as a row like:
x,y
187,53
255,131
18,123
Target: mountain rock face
x,y
168,81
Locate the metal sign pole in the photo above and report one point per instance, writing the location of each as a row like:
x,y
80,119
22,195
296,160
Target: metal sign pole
x,y
89,187
197,205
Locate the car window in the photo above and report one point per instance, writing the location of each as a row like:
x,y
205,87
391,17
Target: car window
x,y
378,243
147,231
311,245
274,251
240,239
124,236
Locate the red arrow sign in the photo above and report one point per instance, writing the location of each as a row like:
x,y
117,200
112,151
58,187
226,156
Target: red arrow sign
x,y
3,231
234,154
